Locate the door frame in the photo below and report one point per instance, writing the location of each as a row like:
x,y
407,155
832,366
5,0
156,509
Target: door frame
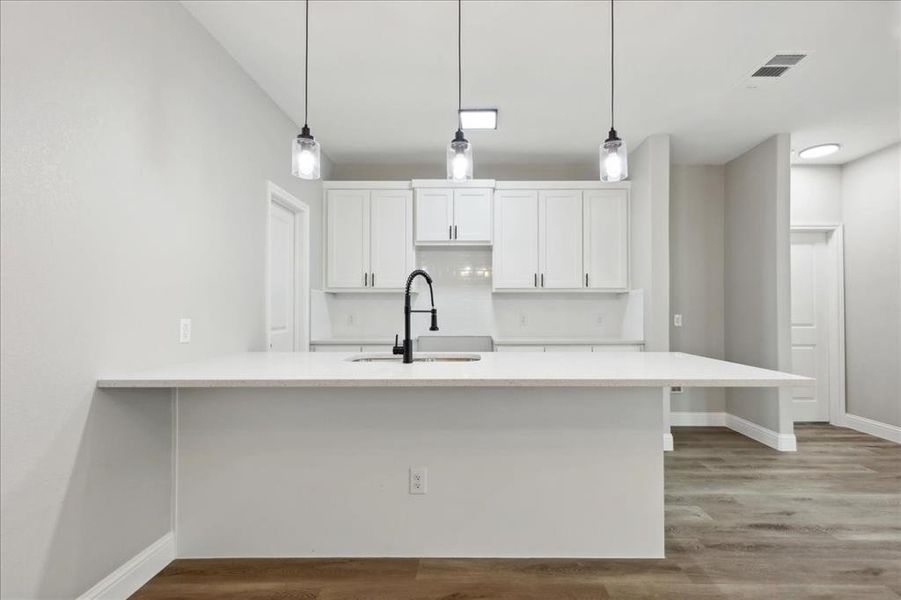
x,y
301,212
835,251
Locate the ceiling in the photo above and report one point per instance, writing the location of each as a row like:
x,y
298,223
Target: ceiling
x,y
383,74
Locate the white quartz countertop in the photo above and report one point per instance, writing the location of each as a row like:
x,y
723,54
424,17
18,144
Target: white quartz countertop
x,y
566,342
501,369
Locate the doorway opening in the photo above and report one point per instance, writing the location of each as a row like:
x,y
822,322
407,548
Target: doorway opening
x,y
287,292
818,322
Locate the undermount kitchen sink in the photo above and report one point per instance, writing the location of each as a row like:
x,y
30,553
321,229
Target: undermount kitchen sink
x,y
417,358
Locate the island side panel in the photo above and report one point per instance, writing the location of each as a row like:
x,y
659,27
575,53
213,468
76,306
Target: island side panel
x,y
512,472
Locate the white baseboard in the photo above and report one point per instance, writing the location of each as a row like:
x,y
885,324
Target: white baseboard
x,y
784,442
667,442
125,581
697,419
885,431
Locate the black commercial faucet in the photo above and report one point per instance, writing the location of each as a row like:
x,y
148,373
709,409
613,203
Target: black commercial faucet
x,y
407,348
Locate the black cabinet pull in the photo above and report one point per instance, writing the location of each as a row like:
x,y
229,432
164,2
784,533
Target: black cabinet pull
x,y
455,232
535,282
365,279
586,279
542,280
372,279
450,232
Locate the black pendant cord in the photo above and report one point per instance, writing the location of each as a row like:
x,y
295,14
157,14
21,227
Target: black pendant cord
x,y
306,63
612,73
459,64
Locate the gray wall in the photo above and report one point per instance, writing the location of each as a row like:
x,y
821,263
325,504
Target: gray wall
x,y
649,170
697,197
435,169
757,278
134,159
870,212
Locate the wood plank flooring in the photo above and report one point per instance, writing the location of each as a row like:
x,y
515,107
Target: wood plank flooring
x,y
742,522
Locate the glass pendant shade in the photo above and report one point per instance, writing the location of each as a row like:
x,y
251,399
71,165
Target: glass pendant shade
x,y
305,156
459,158
614,161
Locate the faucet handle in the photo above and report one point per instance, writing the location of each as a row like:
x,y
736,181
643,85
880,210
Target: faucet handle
x,y
398,349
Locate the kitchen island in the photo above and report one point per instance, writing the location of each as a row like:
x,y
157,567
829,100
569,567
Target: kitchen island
x,y
524,454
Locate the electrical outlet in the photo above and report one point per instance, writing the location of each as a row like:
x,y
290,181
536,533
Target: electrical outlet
x,y
523,320
184,331
419,480
600,320
350,319
677,320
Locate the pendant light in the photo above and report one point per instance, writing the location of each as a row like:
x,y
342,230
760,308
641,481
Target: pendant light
x,y
459,151
614,161
305,151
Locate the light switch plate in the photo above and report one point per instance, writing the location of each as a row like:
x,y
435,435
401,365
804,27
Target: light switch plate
x,y
677,320
184,331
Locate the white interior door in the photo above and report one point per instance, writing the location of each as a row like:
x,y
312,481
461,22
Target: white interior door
x,y
347,222
606,239
560,239
472,215
809,321
515,255
282,279
434,215
390,215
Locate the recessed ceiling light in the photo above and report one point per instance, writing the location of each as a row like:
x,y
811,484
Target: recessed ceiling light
x,y
478,118
819,151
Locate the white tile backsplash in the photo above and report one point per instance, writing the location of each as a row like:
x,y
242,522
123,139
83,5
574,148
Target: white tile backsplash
x,y
466,306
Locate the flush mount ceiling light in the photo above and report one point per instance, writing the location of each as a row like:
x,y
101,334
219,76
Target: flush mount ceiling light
x,y
478,118
459,151
305,151
614,161
819,151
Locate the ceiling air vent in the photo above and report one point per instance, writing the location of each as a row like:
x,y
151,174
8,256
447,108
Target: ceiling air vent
x,y
769,72
785,60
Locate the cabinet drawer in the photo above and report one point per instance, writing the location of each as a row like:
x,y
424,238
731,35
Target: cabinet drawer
x,y
376,348
518,348
336,348
567,348
618,348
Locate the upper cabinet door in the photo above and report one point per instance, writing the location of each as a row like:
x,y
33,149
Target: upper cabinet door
x,y
472,216
347,230
391,245
434,215
606,239
560,239
515,256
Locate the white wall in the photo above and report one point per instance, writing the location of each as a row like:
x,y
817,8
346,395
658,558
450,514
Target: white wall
x,y
872,218
135,155
757,278
816,195
697,198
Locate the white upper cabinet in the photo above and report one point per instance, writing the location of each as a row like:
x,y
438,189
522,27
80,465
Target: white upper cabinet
x,y
434,215
453,216
560,239
391,238
369,239
472,216
606,239
347,232
515,256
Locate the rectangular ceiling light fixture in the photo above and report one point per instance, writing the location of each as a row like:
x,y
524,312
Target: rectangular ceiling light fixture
x,y
478,118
